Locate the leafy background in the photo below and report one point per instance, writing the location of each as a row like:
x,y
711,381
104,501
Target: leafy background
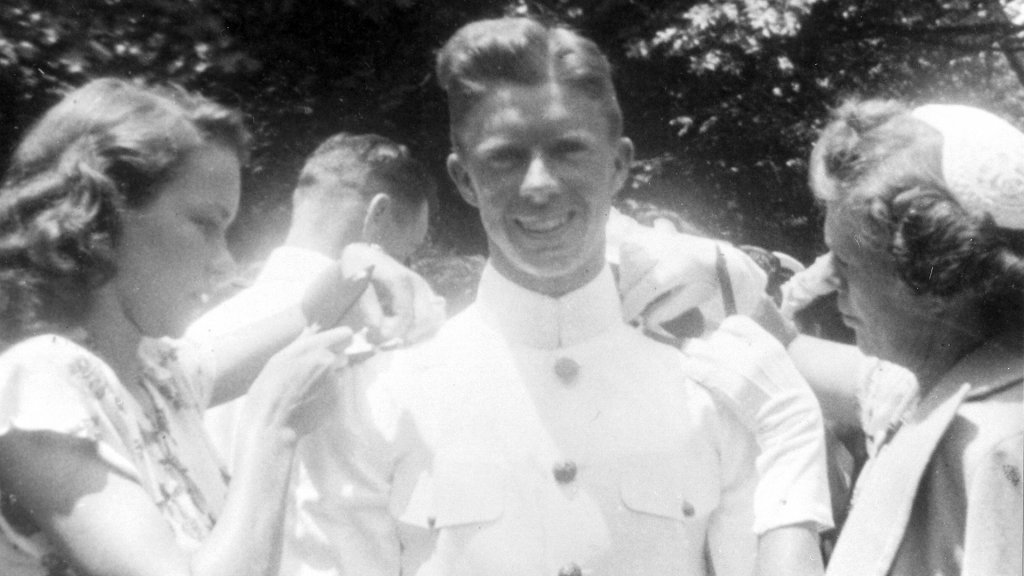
x,y
722,99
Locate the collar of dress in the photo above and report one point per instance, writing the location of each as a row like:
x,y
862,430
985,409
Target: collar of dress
x,y
532,319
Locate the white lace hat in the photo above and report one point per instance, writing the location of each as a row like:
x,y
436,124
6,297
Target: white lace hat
x,y
982,160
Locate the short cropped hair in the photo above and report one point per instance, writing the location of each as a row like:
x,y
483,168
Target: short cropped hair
x,y
352,163
885,165
521,51
104,148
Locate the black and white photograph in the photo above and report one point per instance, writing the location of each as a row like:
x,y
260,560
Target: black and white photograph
x,y
511,287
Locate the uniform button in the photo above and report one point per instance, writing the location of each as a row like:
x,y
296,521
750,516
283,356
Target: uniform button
x,y
688,509
565,472
570,569
567,370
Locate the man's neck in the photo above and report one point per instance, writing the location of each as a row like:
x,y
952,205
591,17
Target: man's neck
x,y
325,227
552,287
328,239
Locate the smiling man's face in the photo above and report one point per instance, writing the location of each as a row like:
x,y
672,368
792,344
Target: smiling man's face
x,y
540,164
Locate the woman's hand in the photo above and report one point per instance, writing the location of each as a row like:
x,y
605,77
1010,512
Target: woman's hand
x,y
297,386
399,307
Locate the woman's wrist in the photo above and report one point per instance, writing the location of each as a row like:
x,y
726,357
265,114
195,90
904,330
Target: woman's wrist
x,y
265,444
767,316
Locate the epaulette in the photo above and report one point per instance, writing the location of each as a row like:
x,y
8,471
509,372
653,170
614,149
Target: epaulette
x,y
982,392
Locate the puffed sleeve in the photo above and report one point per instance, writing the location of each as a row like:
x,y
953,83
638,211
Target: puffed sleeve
x,y
732,543
994,530
48,383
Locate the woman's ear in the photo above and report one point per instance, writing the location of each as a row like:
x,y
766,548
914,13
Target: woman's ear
x,y
460,176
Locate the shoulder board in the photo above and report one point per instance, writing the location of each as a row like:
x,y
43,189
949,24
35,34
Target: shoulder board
x,y
982,392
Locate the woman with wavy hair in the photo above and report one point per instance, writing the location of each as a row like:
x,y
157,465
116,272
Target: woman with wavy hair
x,y
925,221
112,228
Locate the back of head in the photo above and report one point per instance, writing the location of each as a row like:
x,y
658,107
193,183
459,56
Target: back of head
x,y
888,165
362,165
487,54
105,148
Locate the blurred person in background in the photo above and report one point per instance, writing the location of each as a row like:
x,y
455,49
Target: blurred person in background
x,y
356,191
354,188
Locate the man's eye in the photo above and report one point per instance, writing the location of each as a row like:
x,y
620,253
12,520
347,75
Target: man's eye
x,y
568,148
505,158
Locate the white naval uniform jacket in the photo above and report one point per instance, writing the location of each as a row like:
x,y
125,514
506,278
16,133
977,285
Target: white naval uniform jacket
x,y
542,436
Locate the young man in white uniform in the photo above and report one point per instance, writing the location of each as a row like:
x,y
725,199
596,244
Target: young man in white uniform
x,y
537,432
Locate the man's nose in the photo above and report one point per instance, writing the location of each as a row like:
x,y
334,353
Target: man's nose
x,y
539,182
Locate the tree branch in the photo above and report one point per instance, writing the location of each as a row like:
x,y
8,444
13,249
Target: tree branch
x,y
1013,57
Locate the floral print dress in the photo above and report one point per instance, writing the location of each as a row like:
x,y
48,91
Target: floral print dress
x,y
51,383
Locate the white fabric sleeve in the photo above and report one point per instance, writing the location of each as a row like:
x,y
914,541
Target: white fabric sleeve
x,y
732,541
48,383
994,531
343,483
751,373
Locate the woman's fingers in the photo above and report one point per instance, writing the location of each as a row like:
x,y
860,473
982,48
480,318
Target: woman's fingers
x,y
335,339
400,302
398,290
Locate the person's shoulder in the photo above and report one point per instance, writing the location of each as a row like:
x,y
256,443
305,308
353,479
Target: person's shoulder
x,y
461,332
45,351
986,422
50,382
673,366
996,406
650,350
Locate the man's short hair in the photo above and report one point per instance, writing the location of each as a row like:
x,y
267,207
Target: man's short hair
x,y
364,165
486,54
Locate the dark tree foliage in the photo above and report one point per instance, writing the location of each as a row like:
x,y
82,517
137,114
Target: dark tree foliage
x,y
722,98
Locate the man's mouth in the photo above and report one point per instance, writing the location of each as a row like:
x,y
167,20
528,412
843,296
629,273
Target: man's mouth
x,y
544,225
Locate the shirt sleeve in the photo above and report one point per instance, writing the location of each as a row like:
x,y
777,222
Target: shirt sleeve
x,y
280,285
233,318
994,530
732,543
48,383
344,483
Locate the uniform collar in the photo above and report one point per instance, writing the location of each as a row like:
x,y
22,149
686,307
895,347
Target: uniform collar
x,y
540,321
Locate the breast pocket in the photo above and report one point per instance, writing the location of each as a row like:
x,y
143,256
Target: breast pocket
x,y
469,493
452,523
666,489
455,493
